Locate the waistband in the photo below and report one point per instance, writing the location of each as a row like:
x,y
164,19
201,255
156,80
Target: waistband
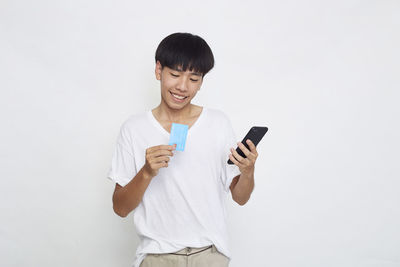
x,y
191,250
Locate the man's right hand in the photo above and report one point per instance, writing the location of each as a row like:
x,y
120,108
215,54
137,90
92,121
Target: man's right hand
x,y
157,157
127,198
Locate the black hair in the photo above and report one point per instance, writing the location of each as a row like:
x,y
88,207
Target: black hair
x,y
187,51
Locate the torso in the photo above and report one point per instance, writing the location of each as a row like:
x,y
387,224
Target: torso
x,y
188,121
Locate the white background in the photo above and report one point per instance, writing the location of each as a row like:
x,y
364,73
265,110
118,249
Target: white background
x,y
322,75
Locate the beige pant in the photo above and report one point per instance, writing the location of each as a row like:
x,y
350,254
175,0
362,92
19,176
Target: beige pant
x,y
207,256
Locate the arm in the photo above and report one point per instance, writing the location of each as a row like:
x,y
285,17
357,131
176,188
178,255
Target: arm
x,y
242,185
241,188
127,198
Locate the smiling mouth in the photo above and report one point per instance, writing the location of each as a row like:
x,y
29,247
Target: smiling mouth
x,y
177,97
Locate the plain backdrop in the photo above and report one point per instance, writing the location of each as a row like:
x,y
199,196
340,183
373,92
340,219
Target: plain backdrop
x,y
322,75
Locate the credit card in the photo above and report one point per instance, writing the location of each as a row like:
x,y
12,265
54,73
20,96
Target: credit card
x,y
178,135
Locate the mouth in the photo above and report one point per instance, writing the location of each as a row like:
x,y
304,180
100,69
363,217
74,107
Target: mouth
x,y
178,98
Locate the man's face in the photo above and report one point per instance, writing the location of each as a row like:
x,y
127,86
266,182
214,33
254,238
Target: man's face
x,y
179,83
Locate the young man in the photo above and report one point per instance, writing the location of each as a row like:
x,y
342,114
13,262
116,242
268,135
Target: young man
x,y
178,197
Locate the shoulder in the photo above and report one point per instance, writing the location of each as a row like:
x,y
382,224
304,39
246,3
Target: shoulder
x,y
218,115
132,124
222,127
220,119
135,120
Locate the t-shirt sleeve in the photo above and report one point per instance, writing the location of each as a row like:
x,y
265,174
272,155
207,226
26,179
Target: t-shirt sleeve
x,y
123,167
228,171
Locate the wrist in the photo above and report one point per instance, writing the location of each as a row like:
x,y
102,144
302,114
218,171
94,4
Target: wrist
x,y
146,174
247,175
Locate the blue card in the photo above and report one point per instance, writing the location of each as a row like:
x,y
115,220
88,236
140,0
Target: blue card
x,y
178,135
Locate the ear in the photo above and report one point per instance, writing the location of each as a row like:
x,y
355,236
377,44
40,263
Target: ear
x,y
158,70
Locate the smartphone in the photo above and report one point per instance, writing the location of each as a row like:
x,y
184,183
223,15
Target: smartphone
x,y
255,134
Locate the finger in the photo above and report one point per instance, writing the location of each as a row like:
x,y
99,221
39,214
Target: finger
x,y
155,149
243,148
236,155
249,155
232,158
162,147
162,159
161,165
161,152
251,145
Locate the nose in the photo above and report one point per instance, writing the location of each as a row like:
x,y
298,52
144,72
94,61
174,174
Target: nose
x,y
182,84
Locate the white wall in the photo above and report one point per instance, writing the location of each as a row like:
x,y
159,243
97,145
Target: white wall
x,y
322,75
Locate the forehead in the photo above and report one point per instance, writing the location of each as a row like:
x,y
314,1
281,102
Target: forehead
x,y
179,69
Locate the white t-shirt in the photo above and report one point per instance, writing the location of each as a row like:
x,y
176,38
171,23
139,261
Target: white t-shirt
x,y
184,204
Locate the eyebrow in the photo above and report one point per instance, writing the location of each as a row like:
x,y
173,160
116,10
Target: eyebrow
x,y
193,73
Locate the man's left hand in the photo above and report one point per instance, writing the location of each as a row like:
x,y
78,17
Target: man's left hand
x,y
246,165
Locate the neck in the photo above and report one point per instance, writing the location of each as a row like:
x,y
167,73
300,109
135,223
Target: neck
x,y
166,113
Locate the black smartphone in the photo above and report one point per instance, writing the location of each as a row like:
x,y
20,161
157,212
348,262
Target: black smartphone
x,y
255,134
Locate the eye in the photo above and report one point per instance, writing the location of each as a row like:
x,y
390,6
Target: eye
x,y
193,80
174,74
